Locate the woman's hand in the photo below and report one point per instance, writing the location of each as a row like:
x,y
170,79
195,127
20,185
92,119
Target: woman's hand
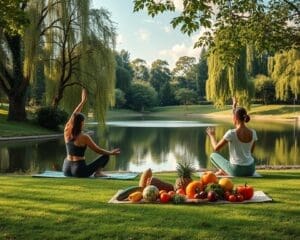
x,y
211,131
115,151
83,95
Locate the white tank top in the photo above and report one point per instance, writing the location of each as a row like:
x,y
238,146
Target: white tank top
x,y
239,152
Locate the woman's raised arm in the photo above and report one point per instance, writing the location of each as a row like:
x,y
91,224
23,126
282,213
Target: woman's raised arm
x,y
77,109
83,101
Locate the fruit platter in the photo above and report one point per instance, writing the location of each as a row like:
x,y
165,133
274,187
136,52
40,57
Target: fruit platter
x,y
207,189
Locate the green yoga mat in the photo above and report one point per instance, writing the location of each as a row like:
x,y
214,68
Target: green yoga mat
x,y
109,175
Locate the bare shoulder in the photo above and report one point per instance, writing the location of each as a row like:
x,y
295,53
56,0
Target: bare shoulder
x,y
85,138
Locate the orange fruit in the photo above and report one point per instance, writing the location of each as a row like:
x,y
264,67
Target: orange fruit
x,y
193,188
226,184
209,177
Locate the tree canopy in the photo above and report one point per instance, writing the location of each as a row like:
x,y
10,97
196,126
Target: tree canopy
x,y
233,31
74,45
13,18
141,96
267,25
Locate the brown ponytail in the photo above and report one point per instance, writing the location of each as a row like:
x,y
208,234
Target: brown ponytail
x,y
77,119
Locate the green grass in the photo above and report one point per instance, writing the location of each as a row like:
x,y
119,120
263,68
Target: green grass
x,y
15,129
35,208
278,111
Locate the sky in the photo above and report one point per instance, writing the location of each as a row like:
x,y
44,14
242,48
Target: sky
x,y
146,37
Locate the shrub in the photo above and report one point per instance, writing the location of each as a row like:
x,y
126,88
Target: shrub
x,y
51,118
141,96
119,98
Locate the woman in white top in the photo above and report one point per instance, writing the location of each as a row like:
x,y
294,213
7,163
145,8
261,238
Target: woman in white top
x,y
241,141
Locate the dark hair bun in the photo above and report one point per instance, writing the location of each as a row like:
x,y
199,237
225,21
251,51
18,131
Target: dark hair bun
x,y
241,114
246,118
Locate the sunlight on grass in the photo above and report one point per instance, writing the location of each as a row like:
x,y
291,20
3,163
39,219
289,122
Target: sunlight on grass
x,y
49,206
284,110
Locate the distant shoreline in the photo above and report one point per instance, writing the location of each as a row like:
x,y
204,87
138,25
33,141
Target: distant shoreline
x,y
33,137
270,118
286,115
253,117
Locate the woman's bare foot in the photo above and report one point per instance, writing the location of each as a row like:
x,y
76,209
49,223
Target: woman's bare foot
x,y
220,172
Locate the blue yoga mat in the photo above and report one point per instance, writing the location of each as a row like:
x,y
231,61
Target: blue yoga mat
x,y
255,175
110,175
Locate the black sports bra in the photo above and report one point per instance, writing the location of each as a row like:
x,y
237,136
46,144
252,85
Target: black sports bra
x,y
74,150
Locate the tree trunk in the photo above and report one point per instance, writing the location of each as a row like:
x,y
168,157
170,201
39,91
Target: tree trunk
x,y
58,97
16,111
19,84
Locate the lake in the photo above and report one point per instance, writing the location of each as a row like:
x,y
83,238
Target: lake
x,y
155,143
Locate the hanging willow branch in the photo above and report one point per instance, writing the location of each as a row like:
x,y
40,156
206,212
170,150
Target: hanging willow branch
x,y
284,69
226,81
82,41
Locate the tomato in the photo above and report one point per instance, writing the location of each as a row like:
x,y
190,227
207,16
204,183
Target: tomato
x,y
180,191
171,193
232,198
246,191
239,197
164,197
162,191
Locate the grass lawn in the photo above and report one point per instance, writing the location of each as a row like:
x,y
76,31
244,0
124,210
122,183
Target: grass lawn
x,y
35,208
266,111
16,129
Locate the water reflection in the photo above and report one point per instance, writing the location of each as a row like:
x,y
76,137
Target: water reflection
x,y
157,147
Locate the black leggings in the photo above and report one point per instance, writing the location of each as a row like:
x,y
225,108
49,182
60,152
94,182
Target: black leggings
x,y
81,169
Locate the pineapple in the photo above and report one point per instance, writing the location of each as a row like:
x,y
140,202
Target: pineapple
x,y
184,171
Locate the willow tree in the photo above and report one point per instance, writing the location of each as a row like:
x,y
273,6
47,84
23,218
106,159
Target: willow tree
x,y
71,39
225,81
18,50
268,26
284,68
80,45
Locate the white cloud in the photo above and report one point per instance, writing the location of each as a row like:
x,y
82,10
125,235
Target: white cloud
x,y
120,40
177,51
178,4
167,29
151,20
143,34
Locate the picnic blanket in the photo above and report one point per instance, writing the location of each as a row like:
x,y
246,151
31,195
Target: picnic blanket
x,y
258,197
109,175
255,175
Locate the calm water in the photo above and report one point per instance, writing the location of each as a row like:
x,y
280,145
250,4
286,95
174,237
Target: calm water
x,y
158,144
